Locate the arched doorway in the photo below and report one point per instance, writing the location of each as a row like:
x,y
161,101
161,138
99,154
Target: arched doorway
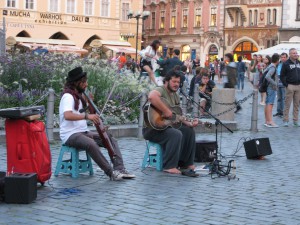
x,y
185,52
88,42
23,34
245,49
212,54
59,35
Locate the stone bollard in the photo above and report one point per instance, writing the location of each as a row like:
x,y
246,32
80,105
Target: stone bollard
x,y
223,95
50,112
141,118
254,111
197,100
184,100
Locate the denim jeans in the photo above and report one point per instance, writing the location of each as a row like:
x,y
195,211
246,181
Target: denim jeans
x,y
241,78
280,99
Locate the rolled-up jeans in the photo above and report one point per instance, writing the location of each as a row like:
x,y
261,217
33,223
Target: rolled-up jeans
x,y
90,141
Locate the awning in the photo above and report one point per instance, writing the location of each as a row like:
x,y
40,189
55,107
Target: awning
x,y
96,43
127,50
42,41
55,48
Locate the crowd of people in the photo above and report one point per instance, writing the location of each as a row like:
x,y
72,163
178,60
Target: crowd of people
x,y
280,74
232,74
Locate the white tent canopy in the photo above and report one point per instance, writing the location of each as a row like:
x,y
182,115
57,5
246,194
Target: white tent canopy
x,y
283,47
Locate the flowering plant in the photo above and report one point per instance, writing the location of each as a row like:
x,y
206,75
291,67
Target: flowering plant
x,y
26,78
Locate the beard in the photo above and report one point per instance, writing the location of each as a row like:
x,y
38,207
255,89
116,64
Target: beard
x,y
170,88
79,89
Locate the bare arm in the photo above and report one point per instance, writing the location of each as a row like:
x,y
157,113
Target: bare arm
x,y
69,115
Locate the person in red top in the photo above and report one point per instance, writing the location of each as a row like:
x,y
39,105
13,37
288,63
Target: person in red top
x,y
122,60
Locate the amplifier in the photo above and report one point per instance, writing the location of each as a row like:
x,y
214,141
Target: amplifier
x,y
20,188
257,147
21,112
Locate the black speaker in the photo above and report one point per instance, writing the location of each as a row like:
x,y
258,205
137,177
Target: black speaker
x,y
20,188
205,150
257,147
2,178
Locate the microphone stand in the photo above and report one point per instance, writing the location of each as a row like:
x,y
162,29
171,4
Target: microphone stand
x,y
215,165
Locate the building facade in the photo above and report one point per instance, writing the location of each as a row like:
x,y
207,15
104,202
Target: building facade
x,y
251,25
195,27
80,21
290,29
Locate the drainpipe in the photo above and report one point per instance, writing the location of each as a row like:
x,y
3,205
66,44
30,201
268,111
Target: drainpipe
x,y
281,21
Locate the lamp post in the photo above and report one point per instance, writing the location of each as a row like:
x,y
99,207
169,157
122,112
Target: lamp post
x,y
127,36
2,38
137,16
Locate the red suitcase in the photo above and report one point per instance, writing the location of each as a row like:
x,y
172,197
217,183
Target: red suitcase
x,y
28,150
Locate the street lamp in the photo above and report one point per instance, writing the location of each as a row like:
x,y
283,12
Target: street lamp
x,y
137,16
127,36
2,38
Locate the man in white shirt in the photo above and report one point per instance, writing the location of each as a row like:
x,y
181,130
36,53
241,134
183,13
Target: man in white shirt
x,y
74,131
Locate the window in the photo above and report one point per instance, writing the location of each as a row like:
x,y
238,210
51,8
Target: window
x,y
298,10
250,18
213,16
153,20
105,4
173,19
125,11
269,17
198,18
255,17
70,6
274,16
162,19
53,5
29,4
11,3
88,7
184,18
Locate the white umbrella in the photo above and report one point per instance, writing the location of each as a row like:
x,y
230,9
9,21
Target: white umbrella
x,y
283,47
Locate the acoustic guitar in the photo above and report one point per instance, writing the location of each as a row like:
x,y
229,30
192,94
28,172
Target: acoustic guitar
x,y
153,117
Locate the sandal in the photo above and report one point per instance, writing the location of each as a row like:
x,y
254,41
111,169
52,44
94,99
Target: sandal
x,y
190,173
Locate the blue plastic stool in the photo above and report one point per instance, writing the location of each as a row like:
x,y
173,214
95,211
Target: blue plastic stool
x,y
153,159
74,165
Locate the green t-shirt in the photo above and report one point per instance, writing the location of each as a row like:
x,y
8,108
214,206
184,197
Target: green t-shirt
x,y
172,98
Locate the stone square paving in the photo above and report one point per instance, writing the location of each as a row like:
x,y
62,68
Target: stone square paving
x,y
263,192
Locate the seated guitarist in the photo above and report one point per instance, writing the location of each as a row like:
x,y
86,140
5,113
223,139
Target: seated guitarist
x,y
178,145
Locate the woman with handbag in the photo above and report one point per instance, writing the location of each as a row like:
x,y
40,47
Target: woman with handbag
x,y
148,54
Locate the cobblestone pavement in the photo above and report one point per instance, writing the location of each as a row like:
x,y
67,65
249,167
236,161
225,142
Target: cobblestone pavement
x,y
264,192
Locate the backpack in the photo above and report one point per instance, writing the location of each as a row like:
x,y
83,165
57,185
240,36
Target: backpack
x,y
263,82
